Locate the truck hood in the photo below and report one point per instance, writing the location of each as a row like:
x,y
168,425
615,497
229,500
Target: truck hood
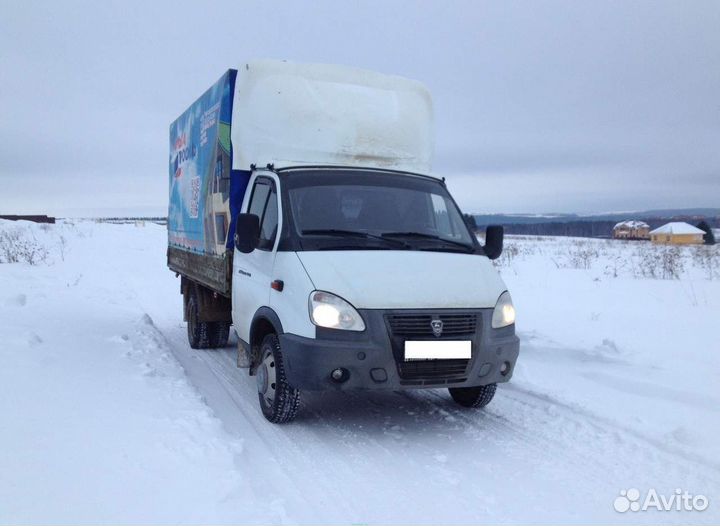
x,y
388,279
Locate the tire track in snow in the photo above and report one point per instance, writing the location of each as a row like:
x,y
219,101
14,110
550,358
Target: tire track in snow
x,y
601,423
267,446
286,452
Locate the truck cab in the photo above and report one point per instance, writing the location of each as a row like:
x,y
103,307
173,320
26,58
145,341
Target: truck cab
x,y
361,278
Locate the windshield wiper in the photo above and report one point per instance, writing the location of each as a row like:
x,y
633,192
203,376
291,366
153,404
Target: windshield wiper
x,y
422,235
352,233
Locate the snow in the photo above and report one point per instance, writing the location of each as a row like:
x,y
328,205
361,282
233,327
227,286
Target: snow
x,y
677,227
110,417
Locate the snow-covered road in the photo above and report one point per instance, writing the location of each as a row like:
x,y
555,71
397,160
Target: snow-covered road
x,y
372,458
111,417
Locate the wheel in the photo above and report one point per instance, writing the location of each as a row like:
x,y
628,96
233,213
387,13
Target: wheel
x,y
279,402
198,331
219,334
479,396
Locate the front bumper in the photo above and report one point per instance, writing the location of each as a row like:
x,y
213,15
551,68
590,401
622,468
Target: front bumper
x,y
373,359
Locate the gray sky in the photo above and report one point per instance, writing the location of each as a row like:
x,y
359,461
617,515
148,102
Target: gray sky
x,y
540,106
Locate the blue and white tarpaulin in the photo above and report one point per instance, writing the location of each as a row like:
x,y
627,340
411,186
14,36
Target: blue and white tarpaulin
x,y
205,193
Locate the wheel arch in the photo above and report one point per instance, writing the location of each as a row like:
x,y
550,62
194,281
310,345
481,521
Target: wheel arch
x,y
264,322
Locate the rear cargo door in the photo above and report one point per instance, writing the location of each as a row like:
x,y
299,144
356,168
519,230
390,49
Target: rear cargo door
x,y
253,272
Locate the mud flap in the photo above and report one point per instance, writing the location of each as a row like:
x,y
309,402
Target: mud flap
x,y
244,360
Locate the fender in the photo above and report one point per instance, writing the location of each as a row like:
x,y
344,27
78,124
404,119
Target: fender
x,y
264,320
271,316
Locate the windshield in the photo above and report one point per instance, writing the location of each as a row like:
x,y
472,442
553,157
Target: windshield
x,y
371,208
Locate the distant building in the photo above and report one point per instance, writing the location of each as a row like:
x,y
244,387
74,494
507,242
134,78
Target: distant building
x,y
677,234
631,230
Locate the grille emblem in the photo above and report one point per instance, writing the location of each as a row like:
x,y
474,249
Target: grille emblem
x,y
437,327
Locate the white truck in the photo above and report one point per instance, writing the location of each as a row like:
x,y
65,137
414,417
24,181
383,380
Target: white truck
x,y
304,214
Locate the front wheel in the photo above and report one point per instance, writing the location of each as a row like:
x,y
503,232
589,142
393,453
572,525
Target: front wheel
x,y
479,396
279,402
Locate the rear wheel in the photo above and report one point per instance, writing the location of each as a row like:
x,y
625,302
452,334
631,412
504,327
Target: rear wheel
x,y
479,396
219,333
279,402
198,331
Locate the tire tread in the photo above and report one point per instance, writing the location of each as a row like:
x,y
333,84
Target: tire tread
x,y
287,398
201,337
475,397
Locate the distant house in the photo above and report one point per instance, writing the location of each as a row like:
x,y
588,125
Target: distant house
x,y
631,230
677,234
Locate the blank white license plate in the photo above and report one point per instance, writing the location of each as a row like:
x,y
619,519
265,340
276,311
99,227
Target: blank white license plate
x,y
438,350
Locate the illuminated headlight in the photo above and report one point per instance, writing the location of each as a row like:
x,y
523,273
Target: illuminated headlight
x,y
333,312
504,313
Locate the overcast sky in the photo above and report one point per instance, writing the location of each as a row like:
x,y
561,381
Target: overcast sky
x,y
539,106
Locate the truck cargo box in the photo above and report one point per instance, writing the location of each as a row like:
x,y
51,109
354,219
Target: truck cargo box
x,y
204,190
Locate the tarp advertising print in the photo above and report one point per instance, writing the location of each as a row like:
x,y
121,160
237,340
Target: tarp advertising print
x,y
200,172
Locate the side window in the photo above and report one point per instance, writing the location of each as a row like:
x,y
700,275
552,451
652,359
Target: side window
x,y
269,223
263,204
261,190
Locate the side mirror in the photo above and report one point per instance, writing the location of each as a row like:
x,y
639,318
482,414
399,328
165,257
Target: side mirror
x,y
494,241
247,232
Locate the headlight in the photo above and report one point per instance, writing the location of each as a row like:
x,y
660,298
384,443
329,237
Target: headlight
x,y
504,313
333,312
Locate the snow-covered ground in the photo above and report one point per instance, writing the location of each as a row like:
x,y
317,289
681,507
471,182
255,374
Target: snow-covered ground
x,y
109,416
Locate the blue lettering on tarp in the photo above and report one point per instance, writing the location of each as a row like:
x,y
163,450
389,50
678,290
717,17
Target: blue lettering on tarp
x,y
186,154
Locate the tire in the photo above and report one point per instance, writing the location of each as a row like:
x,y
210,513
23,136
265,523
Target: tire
x,y
219,334
198,331
479,396
278,401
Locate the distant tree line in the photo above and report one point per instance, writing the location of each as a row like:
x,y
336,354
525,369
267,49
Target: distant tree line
x,y
569,228
470,220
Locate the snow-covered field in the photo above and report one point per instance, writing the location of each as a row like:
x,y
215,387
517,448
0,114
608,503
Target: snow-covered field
x,y
109,416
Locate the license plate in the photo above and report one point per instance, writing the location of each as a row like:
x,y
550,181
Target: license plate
x,y
438,350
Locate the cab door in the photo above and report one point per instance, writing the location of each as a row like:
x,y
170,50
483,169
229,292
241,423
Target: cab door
x,y
252,273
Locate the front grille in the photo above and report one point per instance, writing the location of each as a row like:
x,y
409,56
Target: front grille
x,y
420,372
419,325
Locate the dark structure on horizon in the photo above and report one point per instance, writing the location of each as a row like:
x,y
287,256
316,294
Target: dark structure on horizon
x,y
34,219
